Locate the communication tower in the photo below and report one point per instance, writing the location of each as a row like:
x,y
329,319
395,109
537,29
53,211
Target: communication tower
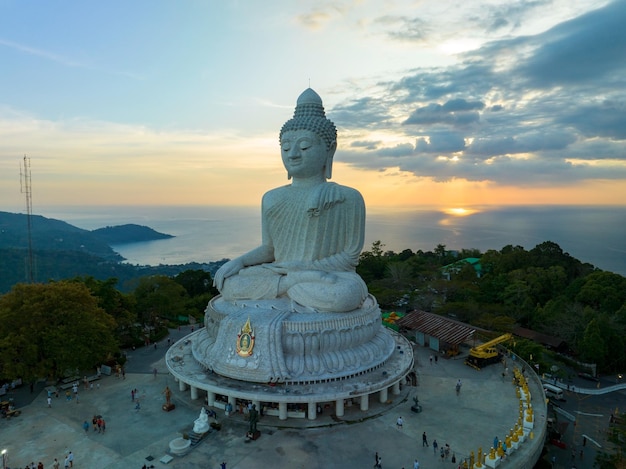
x,y
26,188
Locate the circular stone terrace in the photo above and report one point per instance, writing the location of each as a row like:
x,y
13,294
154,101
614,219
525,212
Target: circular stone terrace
x,y
287,400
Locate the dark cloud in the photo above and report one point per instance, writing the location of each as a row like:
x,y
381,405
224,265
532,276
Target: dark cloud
x,y
506,15
456,113
524,143
362,112
524,111
607,119
367,144
441,142
586,48
404,149
404,28
459,104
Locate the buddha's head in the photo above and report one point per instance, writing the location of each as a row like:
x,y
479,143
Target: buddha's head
x,y
309,117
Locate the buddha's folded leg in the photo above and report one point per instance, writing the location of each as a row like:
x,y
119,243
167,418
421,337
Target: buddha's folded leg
x,y
346,293
252,283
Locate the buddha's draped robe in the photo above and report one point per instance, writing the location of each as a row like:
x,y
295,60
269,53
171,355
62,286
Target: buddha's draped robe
x,y
319,230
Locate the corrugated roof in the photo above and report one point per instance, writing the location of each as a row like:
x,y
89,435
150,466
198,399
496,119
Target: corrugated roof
x,y
445,329
544,339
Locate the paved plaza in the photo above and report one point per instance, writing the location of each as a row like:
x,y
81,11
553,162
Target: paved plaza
x,y
486,407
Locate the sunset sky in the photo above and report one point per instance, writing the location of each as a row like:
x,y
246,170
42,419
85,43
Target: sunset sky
x,y
437,103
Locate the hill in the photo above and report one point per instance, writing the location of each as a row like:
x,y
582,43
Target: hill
x,y
51,235
55,235
61,251
129,233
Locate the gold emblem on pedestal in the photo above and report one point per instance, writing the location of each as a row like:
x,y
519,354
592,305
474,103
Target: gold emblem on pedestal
x,y
245,340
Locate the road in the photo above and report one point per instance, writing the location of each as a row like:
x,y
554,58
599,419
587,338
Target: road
x,y
583,420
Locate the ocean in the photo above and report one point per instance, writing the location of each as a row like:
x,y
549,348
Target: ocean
x,y
207,233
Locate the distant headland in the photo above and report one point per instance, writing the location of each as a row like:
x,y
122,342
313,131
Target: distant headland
x,y
61,250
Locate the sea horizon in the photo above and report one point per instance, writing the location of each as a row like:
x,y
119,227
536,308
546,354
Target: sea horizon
x,y
204,233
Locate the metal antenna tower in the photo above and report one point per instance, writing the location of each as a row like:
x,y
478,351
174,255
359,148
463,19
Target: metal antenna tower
x,y
26,188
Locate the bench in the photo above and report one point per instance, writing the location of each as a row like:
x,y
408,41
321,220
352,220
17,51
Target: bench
x,y
68,383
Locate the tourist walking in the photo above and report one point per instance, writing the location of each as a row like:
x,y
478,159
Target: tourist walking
x,y
399,423
458,387
416,465
435,445
55,464
379,462
70,458
424,440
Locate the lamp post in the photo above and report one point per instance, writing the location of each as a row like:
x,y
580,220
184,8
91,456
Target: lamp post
x,y
5,458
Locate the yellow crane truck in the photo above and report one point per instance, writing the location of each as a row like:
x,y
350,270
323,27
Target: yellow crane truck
x,y
487,353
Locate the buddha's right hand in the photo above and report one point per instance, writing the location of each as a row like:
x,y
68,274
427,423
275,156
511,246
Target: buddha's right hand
x,y
229,269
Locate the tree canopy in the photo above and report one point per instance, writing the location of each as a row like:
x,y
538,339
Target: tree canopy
x,y
544,289
52,329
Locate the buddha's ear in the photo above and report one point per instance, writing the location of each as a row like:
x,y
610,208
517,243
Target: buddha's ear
x,y
328,170
332,148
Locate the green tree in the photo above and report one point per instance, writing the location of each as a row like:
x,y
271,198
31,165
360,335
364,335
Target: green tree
x,y
603,291
159,297
47,330
593,346
372,264
196,282
118,305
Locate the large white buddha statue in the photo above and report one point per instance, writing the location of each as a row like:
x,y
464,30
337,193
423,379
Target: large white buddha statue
x,y
312,229
294,310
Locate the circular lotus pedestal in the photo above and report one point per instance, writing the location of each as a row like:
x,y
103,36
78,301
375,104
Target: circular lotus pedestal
x,y
277,341
179,446
276,354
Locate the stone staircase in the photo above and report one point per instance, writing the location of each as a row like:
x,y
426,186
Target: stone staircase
x,y
196,438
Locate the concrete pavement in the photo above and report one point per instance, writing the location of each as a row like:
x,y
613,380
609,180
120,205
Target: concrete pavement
x,y
486,407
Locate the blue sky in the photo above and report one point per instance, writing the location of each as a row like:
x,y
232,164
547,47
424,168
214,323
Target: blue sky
x,y
438,103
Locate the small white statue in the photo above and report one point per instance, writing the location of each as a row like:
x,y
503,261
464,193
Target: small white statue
x,y
201,424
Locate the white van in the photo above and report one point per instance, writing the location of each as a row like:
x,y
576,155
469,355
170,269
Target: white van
x,y
553,392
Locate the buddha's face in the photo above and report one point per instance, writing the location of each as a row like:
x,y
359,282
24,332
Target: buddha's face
x,y
304,154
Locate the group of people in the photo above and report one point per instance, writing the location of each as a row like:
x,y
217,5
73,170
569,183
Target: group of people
x,y
444,451
98,423
67,463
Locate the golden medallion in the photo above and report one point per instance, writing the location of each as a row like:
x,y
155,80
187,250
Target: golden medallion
x,y
245,340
